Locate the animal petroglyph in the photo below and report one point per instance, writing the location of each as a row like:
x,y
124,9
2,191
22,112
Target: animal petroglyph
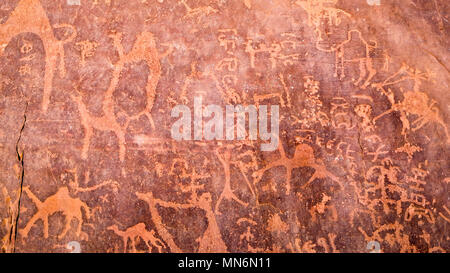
x,y
144,49
30,16
210,241
62,202
303,157
136,232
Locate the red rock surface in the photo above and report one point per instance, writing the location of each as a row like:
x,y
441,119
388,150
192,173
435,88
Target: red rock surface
x,y
86,154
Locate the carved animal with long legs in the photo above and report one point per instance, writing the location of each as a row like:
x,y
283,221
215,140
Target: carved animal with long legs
x,y
303,157
30,16
62,202
135,232
144,50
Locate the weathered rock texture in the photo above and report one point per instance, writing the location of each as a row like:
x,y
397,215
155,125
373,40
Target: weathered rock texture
x,y
86,154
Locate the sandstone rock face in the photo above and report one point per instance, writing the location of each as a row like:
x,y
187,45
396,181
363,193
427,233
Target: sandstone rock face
x,y
86,153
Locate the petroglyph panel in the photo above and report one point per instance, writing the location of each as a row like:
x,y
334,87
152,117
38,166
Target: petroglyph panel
x,y
88,163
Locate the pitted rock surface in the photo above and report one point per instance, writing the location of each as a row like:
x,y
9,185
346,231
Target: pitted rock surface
x,y
86,153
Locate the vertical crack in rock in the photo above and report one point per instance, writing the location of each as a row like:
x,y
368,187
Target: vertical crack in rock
x,y
20,158
361,148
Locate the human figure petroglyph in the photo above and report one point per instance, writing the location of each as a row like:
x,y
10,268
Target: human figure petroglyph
x,y
303,157
227,193
136,232
415,102
30,16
